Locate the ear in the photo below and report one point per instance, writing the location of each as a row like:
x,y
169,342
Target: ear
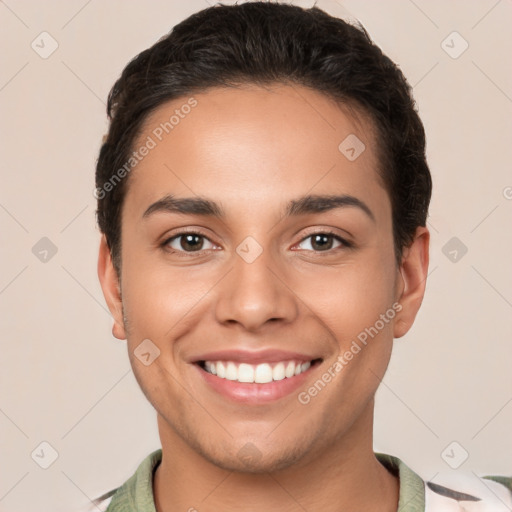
x,y
111,288
411,281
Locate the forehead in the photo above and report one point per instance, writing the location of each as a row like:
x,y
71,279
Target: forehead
x,y
253,146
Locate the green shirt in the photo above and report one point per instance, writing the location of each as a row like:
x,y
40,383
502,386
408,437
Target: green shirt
x,y
136,494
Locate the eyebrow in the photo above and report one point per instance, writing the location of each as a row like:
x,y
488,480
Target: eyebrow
x,y
307,204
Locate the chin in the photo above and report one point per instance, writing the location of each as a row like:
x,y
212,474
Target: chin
x,y
251,460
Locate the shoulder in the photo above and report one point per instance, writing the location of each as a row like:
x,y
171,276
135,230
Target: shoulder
x,y
450,491
136,494
468,492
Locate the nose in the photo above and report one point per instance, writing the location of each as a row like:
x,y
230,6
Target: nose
x,y
254,294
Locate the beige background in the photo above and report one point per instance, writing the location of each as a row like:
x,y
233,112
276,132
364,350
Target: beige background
x,y
64,378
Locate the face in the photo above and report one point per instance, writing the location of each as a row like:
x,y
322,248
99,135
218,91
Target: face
x,y
258,265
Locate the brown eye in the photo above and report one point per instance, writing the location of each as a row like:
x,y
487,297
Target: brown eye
x,y
188,242
323,242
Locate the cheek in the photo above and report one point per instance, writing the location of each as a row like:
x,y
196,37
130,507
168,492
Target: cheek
x,y
356,306
161,301
350,298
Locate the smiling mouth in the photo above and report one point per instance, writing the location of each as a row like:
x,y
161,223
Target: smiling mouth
x,y
262,373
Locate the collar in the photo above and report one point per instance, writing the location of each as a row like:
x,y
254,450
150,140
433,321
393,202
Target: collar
x,y
136,494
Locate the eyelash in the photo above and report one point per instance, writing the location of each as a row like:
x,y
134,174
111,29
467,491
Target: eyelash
x,y
344,243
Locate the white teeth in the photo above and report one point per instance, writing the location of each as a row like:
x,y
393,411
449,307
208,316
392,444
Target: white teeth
x,y
245,373
263,373
305,366
259,374
231,372
278,372
211,367
290,369
221,370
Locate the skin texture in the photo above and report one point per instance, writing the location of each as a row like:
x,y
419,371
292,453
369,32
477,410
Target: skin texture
x,y
252,150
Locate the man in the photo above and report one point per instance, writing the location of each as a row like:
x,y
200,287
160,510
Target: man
x,y
263,194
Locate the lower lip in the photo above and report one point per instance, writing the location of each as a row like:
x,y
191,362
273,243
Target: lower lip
x,y
252,393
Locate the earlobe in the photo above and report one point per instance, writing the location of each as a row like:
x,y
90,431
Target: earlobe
x,y
413,276
111,289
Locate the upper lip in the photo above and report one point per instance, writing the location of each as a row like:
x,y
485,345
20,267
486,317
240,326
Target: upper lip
x,y
254,357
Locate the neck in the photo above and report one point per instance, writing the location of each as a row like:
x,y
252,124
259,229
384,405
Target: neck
x,y
345,476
